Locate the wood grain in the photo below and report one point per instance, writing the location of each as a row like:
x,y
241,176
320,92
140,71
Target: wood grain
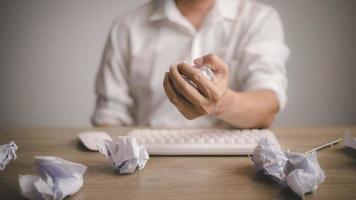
x,y
184,177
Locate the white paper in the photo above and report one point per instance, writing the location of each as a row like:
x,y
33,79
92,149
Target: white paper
x,y
58,178
207,72
304,173
270,159
349,140
7,153
124,154
301,172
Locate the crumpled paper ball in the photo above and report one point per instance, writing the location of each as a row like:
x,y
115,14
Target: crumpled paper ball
x,y
58,178
7,153
301,172
304,173
124,154
270,159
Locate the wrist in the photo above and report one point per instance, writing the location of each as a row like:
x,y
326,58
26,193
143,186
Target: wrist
x,y
226,103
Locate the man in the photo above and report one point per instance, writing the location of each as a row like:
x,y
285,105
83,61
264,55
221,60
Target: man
x,y
241,41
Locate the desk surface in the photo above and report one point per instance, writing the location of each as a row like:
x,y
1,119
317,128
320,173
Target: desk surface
x,y
179,177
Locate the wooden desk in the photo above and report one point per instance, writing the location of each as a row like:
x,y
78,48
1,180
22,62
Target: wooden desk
x,y
179,177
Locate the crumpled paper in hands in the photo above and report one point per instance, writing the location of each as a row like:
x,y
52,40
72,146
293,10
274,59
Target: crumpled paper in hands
x,y
124,154
349,140
301,172
7,153
58,178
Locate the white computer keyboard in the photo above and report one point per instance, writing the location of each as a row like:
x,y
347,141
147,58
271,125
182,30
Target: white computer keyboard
x,y
200,141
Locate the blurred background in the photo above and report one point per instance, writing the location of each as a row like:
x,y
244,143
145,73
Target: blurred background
x,y
50,52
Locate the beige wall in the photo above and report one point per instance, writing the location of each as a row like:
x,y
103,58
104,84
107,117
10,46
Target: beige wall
x,y
50,51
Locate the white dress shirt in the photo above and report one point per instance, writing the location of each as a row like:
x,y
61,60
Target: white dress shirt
x,y
144,42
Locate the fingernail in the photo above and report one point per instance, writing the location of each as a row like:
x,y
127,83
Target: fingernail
x,y
198,61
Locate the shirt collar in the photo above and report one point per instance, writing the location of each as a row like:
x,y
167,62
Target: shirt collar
x,y
166,9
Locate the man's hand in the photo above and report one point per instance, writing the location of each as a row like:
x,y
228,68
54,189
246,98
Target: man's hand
x,y
204,99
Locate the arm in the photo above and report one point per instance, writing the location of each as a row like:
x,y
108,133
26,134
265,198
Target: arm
x,y
254,109
261,75
112,89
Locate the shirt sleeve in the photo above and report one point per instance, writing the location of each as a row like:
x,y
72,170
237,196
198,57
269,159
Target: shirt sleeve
x,y
264,57
113,101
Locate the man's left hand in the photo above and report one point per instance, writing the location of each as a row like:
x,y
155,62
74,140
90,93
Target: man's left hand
x,y
205,98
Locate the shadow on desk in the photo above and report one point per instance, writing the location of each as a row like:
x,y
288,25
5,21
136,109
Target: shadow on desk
x,y
348,152
284,191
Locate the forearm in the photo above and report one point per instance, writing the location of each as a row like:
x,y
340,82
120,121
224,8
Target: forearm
x,y
255,109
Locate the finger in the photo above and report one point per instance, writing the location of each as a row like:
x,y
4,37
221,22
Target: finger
x,y
172,95
169,90
204,85
184,88
182,105
213,62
